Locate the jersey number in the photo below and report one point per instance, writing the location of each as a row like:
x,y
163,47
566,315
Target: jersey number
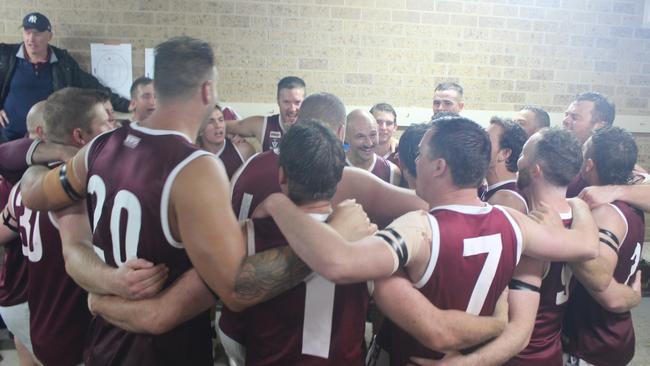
x,y
490,244
635,258
123,201
32,245
319,310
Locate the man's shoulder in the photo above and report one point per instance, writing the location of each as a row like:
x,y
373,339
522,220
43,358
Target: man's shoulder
x,y
9,49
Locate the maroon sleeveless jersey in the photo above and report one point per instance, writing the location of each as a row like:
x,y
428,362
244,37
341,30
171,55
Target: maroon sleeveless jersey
x,y
509,186
13,278
130,174
230,157
545,346
272,133
15,158
383,169
315,323
474,252
58,308
593,333
254,181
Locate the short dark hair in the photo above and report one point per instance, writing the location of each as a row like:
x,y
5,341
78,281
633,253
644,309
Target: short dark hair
x,y
513,137
408,147
384,107
290,82
324,107
443,114
541,116
559,154
141,81
614,152
70,108
464,145
313,159
604,109
450,86
182,65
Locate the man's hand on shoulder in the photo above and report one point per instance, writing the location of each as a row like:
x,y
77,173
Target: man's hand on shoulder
x,y
351,221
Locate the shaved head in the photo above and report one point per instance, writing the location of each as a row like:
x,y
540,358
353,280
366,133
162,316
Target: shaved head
x,y
358,117
35,117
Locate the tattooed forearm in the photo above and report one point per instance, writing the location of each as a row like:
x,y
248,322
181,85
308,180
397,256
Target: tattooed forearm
x,y
269,273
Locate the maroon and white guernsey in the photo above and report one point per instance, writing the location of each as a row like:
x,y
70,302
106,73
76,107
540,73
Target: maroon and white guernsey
x,y
13,278
58,308
383,169
130,175
506,185
474,252
230,157
272,133
315,323
593,333
255,180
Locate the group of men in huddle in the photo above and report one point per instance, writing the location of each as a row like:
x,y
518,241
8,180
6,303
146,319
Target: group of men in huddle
x,y
480,257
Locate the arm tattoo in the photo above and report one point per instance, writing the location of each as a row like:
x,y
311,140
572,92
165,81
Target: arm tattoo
x,y
268,274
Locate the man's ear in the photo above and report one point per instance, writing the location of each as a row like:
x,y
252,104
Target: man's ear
x,y
39,133
208,94
77,137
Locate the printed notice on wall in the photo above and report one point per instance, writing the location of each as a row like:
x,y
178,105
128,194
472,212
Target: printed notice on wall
x,y
112,66
149,59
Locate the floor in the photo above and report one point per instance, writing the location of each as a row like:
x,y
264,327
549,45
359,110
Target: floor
x,y
641,317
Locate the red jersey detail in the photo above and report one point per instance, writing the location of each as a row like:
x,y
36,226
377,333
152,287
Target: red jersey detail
x,y
509,185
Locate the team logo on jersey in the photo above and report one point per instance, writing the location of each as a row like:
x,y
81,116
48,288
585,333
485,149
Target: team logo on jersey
x,y
131,141
275,134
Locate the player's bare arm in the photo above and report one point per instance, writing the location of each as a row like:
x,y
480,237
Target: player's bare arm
x,y
218,251
43,189
436,329
46,152
596,274
245,149
546,238
637,195
327,252
248,127
619,297
180,302
382,201
136,279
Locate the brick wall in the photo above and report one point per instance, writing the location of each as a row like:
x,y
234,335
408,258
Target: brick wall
x,y
504,52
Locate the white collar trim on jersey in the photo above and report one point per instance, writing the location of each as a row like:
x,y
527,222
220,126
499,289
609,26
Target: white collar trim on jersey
x,y
470,210
566,215
372,166
499,184
158,132
322,217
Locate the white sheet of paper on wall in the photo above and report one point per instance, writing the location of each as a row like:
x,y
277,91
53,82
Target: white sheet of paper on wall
x,y
112,66
149,59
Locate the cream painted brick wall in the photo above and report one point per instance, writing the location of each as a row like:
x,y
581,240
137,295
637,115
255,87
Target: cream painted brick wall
x,y
505,53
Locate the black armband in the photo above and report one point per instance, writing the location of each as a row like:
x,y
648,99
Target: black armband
x,y
610,239
522,286
65,183
5,219
397,243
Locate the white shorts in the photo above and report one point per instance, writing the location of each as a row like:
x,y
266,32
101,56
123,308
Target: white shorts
x,y
17,319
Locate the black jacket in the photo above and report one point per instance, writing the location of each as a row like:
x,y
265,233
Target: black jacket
x,y
65,72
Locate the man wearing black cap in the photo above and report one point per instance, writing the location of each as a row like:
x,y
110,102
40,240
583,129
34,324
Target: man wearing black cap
x,y
32,70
